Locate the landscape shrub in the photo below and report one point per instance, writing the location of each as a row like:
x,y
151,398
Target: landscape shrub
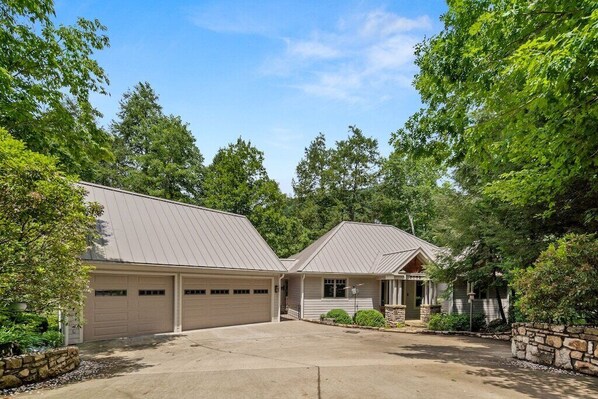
x,y
340,316
456,322
22,332
53,339
561,287
369,317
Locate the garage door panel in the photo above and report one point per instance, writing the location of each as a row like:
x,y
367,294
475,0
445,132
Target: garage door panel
x,y
118,316
213,310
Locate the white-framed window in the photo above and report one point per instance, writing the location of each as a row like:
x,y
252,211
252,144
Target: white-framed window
x,y
335,288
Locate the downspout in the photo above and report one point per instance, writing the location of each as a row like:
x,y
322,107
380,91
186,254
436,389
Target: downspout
x,y
302,295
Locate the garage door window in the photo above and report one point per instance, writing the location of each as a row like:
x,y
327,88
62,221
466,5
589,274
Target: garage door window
x,y
219,292
265,291
195,292
241,292
151,292
111,293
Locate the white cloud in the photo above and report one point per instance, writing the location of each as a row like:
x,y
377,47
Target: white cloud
x,y
364,58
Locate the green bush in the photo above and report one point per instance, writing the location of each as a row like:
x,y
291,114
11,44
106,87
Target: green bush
x,y
53,339
369,317
340,316
561,286
456,322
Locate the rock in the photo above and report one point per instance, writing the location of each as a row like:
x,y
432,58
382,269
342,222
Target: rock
x,y
514,348
43,372
546,348
576,344
521,330
596,351
591,331
574,330
521,355
39,357
562,359
546,358
554,341
531,353
14,363
586,368
27,359
9,381
576,355
557,328
23,373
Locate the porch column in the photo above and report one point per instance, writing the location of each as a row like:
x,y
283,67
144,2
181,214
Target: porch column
x,y
400,296
387,293
434,293
426,293
394,292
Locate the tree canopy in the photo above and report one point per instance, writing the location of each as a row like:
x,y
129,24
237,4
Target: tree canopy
x,y
47,73
45,225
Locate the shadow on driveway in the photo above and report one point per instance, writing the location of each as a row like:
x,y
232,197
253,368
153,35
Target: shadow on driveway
x,y
506,373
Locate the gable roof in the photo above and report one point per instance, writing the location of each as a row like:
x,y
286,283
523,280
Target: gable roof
x,y
136,228
359,248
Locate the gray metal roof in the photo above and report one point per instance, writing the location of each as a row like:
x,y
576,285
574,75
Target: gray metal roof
x,y
137,228
361,248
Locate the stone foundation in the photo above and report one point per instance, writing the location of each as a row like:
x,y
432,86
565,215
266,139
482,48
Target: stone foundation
x,y
425,311
394,314
566,347
34,367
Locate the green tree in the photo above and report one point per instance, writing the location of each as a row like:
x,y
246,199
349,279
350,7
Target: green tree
x,y
45,225
47,73
406,194
510,87
561,287
155,153
355,164
315,203
237,182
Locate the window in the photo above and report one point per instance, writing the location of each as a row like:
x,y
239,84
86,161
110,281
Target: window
x,y
195,292
261,291
480,292
151,292
111,293
335,288
419,292
219,292
241,291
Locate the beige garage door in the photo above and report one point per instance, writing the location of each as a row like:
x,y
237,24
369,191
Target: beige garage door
x,y
213,302
128,305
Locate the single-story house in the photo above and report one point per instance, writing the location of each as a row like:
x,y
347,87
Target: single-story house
x,y
371,266
164,266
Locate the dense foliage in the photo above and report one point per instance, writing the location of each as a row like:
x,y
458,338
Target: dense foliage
x,y
45,225
370,318
47,74
456,322
340,316
562,286
22,332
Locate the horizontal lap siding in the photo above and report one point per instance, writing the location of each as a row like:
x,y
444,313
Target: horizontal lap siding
x,y
315,305
294,297
489,307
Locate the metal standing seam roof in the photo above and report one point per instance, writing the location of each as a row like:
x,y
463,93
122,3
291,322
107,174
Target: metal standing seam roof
x,y
358,248
136,228
394,262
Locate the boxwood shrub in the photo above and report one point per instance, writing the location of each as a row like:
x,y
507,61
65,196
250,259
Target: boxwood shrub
x,y
456,322
340,316
369,317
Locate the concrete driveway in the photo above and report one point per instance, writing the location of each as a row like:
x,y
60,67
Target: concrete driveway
x,y
297,359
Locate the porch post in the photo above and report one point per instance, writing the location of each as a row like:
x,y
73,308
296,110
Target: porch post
x,y
394,292
387,293
400,296
434,293
426,293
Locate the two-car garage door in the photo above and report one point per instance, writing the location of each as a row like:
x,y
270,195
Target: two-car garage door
x,y
129,305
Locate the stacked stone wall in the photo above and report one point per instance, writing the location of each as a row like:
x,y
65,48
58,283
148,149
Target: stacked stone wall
x,y
566,347
394,315
34,367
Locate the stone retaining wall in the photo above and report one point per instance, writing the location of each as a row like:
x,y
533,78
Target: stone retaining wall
x,y
34,367
394,314
426,311
567,347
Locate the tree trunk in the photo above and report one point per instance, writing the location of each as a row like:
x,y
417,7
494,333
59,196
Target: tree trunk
x,y
499,299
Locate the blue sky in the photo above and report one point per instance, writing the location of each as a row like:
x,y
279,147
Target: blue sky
x,y
276,73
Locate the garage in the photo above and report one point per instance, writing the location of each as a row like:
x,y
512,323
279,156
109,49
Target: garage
x,y
128,305
216,302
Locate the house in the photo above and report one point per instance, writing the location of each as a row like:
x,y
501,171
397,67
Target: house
x,y
164,266
370,266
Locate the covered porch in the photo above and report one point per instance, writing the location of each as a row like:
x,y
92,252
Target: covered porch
x,y
406,291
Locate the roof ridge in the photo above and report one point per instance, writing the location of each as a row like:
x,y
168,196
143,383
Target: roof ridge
x,y
332,232
120,190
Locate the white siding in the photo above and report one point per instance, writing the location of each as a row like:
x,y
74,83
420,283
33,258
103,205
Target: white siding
x,y
294,296
315,305
487,306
